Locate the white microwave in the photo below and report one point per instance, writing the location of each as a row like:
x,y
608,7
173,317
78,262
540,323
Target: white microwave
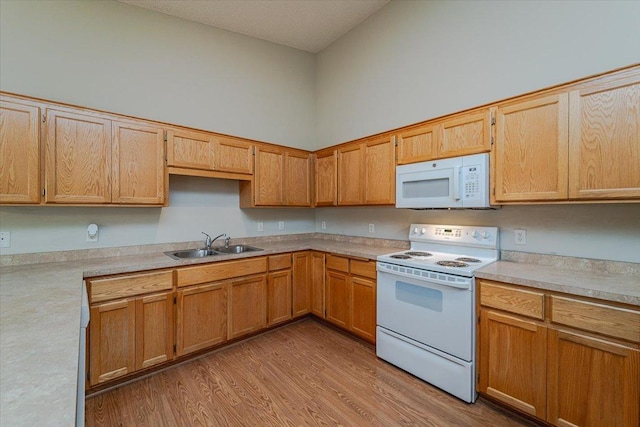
x,y
458,182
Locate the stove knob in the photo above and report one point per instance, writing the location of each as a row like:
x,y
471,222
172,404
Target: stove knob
x,y
486,235
423,231
474,234
415,230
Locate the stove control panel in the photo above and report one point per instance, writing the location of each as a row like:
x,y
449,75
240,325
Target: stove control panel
x,y
455,234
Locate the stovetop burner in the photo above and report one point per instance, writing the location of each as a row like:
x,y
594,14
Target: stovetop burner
x,y
400,256
418,253
456,264
467,259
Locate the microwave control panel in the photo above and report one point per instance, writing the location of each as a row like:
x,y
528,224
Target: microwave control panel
x,y
471,187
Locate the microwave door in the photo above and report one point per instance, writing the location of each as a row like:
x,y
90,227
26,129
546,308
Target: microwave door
x,y
438,188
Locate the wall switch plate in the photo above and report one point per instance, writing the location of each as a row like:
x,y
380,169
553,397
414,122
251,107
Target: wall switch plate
x,y
5,239
520,237
280,225
261,226
92,233
323,225
372,228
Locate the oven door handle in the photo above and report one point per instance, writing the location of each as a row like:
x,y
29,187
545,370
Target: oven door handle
x,y
456,183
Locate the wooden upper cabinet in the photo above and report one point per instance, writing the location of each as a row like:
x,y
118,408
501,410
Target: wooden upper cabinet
x,y
19,152
326,178
380,172
233,155
417,144
604,138
350,175
269,176
531,150
138,164
297,178
467,134
190,149
77,158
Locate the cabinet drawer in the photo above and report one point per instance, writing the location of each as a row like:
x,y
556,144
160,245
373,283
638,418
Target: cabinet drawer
x,y
125,286
279,262
338,263
366,268
220,271
602,319
518,301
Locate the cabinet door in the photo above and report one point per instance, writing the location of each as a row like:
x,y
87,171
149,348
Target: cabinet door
x,y
531,150
468,134
301,283
326,178
154,329
298,179
418,144
78,158
247,305
112,340
380,172
604,140
317,284
363,308
233,155
189,149
513,361
592,382
201,317
269,176
350,175
19,153
278,297
138,164
337,302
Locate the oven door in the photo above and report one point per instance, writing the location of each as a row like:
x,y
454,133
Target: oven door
x,y
433,184
434,311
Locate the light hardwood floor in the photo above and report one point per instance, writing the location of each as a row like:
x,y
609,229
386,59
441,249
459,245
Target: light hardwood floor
x,y
305,373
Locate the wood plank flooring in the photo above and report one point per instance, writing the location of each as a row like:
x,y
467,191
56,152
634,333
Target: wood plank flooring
x,y
305,373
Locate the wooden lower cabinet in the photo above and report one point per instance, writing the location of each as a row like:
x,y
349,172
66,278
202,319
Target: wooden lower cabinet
x,y
247,306
279,297
201,317
301,298
337,298
363,307
154,329
592,382
317,284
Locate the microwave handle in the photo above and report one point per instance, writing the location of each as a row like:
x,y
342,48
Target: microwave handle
x,y
456,183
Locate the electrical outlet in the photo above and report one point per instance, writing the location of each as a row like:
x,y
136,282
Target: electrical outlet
x,y
5,239
280,225
520,237
372,228
261,226
92,233
323,225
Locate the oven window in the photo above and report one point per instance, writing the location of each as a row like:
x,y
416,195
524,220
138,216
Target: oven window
x,y
418,295
425,188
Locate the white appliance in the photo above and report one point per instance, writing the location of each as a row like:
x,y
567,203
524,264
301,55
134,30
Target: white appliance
x,y
82,355
458,182
426,304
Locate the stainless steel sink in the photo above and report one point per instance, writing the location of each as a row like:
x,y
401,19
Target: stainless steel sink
x,y
236,249
192,253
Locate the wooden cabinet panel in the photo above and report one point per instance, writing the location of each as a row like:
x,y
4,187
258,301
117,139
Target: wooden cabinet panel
x,y
326,178
467,134
366,268
154,329
220,271
138,164
269,176
247,305
78,158
201,317
279,262
19,152
513,361
531,150
337,302
301,283
317,284
233,155
518,301
604,132
112,340
338,263
109,288
350,175
418,144
190,149
592,382
363,307
380,172
298,179
279,297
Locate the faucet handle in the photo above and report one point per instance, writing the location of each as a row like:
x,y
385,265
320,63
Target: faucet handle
x,y
226,241
208,241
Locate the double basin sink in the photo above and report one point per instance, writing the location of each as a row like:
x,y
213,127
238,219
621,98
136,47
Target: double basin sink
x,y
220,250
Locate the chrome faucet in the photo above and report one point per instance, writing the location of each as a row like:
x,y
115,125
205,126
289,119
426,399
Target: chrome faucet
x,y
209,241
226,241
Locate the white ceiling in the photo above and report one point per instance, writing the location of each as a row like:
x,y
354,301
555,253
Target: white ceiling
x,y
309,25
